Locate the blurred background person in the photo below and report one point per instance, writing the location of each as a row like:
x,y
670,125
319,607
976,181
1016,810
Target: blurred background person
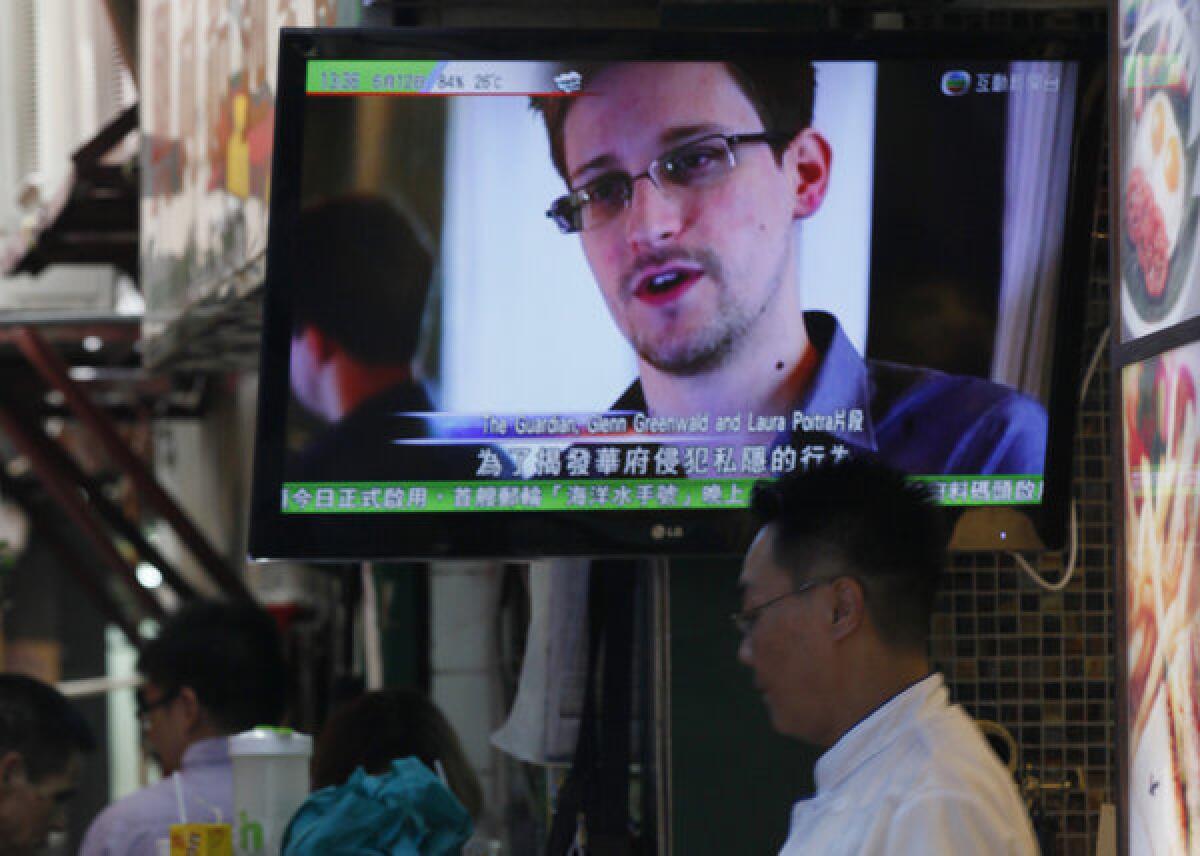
x,y
362,274
215,669
43,739
389,776
380,727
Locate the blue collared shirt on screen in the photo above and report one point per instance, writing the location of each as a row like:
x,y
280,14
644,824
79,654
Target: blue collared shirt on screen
x,y
917,420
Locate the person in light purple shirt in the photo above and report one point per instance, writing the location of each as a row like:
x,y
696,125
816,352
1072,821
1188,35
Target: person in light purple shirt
x,y
215,669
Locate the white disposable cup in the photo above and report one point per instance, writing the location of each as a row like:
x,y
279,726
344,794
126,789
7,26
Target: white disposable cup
x,y
270,781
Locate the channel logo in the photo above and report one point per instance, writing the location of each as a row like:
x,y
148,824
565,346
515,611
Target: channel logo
x,y
956,83
569,81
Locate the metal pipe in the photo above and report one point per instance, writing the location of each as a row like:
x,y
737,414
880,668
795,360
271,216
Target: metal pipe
x,y
70,499
54,371
87,687
70,559
79,568
125,527
372,638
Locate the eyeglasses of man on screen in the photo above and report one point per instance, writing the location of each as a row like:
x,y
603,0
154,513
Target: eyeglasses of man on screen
x,y
691,167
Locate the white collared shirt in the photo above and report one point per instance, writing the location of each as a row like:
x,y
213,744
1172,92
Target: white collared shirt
x,y
914,777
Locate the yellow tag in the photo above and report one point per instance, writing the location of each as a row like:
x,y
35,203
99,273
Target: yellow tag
x,y
201,839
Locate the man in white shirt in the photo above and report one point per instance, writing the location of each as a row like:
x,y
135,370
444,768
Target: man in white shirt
x,y
837,592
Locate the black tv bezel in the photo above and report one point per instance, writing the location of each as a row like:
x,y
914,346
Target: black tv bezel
x,y
344,537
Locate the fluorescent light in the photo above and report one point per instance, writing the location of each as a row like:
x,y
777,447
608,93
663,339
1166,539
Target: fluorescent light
x,y
149,576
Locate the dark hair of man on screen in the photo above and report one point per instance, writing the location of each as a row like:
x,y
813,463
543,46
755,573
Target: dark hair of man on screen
x,y
781,92
361,274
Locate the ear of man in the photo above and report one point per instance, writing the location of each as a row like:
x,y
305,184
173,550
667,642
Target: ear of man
x,y
196,719
849,607
12,769
808,159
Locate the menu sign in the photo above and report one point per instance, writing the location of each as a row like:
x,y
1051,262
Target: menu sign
x,y
1162,601
1159,188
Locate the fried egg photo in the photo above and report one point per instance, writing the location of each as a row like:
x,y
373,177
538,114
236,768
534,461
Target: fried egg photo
x,y
1158,153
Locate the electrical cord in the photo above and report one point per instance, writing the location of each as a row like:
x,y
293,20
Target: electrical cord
x,y
1095,361
1073,537
1068,571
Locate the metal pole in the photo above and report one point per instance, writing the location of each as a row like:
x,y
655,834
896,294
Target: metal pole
x,y
372,639
660,644
88,687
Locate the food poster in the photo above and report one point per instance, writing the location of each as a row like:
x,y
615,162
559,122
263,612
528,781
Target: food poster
x,y
1162,602
207,117
1157,143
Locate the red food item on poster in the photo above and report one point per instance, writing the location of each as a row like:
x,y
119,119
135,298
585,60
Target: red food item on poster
x,y
1184,401
1148,232
1136,450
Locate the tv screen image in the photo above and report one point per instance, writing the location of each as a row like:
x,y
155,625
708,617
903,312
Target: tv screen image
x,y
610,294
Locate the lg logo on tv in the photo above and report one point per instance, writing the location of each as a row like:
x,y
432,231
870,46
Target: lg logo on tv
x,y
665,533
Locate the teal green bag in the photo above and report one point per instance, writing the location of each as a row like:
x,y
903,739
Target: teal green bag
x,y
407,811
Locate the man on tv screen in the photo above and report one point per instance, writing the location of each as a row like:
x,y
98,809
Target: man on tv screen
x,y
685,181
352,358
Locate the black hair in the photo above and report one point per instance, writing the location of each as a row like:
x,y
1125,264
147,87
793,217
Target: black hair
x,y
379,727
871,523
231,656
781,91
361,274
39,723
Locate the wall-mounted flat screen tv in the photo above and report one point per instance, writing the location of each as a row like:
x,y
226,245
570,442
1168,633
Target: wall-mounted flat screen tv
x,y
576,293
